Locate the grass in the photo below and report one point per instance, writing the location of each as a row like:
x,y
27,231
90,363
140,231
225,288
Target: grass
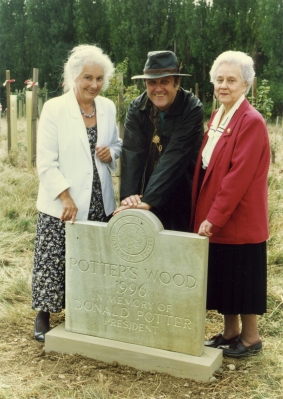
x,y
27,372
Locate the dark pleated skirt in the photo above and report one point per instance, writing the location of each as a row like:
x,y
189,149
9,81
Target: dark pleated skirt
x,y
237,278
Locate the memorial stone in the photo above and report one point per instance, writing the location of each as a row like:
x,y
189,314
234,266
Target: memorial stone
x,y
132,281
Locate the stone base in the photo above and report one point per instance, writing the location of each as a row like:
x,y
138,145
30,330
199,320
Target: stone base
x,y
199,368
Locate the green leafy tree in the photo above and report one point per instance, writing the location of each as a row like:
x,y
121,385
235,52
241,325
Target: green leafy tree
x,y
117,89
262,102
216,27
91,23
50,37
270,38
39,33
138,27
13,53
199,38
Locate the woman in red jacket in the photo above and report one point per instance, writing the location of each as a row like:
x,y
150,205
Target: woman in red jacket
x,y
230,206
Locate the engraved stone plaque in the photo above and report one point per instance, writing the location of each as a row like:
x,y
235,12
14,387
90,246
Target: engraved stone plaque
x,y
132,281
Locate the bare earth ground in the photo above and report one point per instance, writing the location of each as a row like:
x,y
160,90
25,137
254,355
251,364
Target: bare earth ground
x,y
27,372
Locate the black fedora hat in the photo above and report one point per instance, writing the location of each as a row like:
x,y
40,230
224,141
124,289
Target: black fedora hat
x,y
160,64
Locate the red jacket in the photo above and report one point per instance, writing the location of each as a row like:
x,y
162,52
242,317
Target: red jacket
x,y
233,194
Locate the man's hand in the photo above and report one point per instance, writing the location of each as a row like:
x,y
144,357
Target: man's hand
x,y
132,202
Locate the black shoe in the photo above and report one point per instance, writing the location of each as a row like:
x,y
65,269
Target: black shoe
x,y
39,335
238,349
218,339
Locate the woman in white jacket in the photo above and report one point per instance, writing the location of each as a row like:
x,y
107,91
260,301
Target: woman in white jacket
x,y
77,148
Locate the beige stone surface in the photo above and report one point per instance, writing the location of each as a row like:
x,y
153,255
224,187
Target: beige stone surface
x,y
199,368
132,281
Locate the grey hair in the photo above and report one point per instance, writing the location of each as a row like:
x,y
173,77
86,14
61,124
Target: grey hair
x,y
82,55
242,60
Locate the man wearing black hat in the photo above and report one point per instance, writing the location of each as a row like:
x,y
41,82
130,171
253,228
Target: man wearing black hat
x,y
163,133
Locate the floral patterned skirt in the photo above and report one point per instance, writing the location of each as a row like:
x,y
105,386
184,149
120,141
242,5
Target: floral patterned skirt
x,y
48,278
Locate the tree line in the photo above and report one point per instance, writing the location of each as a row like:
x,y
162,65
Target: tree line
x,y
39,34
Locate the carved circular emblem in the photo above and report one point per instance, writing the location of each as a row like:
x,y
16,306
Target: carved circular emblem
x,y
132,239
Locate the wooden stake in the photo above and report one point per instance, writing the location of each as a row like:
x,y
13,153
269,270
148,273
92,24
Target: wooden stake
x,y
8,110
196,91
29,130
120,127
254,87
34,115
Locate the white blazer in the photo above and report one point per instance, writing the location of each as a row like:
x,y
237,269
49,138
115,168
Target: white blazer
x,y
64,159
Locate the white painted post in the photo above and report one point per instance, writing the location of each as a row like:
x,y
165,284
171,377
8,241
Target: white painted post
x,y
13,118
20,106
40,105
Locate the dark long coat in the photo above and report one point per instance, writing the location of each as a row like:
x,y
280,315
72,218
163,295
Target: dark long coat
x,y
168,189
